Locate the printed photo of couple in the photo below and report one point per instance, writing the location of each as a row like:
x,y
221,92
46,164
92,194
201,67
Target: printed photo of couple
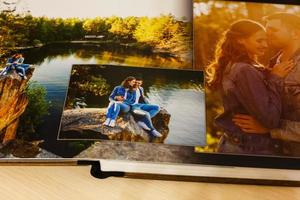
x,y
130,97
134,104
252,77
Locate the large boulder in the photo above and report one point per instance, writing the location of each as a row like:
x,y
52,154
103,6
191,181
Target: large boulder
x,y
87,123
137,151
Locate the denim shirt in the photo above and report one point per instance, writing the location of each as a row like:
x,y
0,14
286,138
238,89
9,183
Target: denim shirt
x,y
12,62
289,130
121,91
15,62
291,94
246,89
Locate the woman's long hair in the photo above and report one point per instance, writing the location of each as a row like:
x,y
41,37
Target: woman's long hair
x,y
125,83
14,57
229,50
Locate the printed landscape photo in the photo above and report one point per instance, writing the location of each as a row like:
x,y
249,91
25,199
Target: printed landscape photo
x,y
106,102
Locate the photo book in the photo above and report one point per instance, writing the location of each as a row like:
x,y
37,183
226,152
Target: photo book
x,y
189,89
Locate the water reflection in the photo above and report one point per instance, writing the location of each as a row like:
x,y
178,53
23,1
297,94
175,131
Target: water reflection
x,y
186,107
106,54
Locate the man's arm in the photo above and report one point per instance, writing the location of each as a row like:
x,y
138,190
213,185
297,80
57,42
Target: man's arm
x,y
144,99
288,131
20,61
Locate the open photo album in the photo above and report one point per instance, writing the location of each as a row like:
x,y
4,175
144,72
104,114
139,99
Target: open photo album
x,y
170,87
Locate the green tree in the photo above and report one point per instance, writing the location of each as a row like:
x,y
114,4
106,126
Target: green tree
x,y
35,111
6,20
96,26
83,83
124,28
163,32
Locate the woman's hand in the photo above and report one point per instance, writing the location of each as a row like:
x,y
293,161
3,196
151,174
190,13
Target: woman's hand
x,y
119,98
283,69
249,124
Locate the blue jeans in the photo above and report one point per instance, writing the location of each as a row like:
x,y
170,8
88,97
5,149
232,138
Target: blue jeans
x,y
150,108
22,68
147,120
114,109
6,70
150,111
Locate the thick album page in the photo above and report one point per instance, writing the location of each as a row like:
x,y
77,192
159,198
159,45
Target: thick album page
x,y
152,82
100,80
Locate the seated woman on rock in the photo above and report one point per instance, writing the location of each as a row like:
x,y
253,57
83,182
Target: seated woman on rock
x,y
120,100
9,65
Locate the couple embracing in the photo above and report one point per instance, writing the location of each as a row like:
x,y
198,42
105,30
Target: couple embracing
x,y
261,103
129,97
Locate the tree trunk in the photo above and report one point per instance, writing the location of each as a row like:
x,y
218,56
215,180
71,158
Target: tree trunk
x,y
13,102
10,133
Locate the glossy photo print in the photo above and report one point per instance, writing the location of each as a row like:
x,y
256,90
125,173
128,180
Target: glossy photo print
x,y
135,105
250,53
41,40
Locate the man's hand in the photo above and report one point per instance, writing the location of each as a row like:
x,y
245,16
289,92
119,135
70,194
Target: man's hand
x,y
249,124
119,98
283,69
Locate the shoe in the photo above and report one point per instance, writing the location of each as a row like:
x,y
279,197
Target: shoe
x,y
20,74
143,126
156,133
106,123
112,123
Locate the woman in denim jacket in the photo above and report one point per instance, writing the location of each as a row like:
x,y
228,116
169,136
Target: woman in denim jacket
x,y
246,87
121,98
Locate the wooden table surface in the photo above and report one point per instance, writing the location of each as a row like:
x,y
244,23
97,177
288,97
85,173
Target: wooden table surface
x,y
75,182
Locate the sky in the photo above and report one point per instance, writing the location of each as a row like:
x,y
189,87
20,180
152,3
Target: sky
x,y
106,8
